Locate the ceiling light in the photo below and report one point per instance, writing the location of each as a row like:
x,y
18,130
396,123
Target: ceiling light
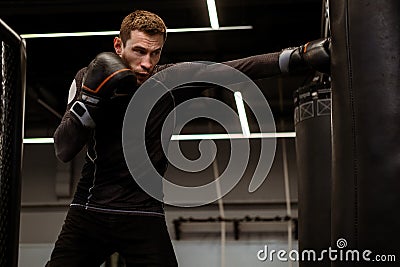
x,y
242,114
212,13
187,137
39,140
100,33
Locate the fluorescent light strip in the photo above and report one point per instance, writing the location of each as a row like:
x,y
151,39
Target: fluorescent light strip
x,y
39,140
100,33
187,137
204,29
212,13
67,34
242,114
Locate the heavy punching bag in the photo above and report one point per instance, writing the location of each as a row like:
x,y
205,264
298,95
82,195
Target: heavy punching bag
x,y
366,132
313,151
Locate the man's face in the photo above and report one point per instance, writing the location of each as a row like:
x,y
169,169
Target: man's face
x,y
141,52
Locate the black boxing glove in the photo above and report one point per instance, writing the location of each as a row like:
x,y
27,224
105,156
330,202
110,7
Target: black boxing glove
x,y
106,77
314,55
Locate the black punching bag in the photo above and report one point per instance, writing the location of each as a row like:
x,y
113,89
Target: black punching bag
x,y
313,151
365,131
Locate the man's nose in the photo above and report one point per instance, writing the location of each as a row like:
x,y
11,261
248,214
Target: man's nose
x,y
146,62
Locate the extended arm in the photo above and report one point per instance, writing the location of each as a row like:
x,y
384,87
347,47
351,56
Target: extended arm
x,y
314,55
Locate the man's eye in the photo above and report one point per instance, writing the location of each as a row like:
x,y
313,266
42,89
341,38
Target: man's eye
x,y
141,52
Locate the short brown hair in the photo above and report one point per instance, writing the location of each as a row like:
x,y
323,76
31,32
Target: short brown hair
x,y
142,20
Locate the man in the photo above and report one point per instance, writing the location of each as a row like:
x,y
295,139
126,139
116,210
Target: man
x,y
110,212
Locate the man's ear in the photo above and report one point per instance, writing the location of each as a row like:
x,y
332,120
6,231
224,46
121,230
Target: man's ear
x,y
118,45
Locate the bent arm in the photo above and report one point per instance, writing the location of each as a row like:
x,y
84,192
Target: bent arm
x,y
71,136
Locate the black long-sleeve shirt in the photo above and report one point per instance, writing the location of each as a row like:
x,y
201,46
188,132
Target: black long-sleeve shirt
x,y
106,183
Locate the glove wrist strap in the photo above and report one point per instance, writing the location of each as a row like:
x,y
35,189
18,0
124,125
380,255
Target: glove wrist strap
x,y
284,60
81,112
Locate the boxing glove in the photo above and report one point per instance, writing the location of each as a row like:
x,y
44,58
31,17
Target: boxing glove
x,y
313,55
106,77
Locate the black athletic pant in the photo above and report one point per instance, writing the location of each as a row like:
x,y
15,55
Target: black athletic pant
x,y
88,238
